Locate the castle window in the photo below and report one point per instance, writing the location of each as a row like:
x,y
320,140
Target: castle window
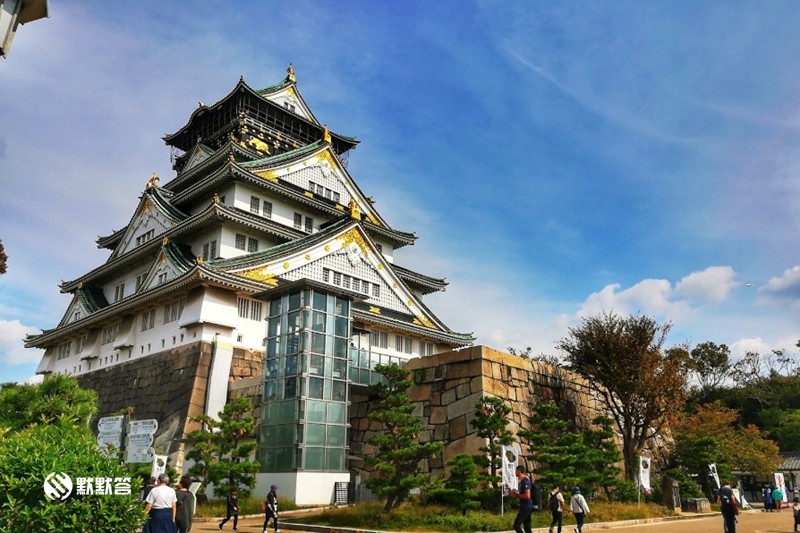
x,y
298,221
162,278
144,237
266,209
210,250
109,333
402,344
241,241
79,343
140,281
379,339
426,348
119,292
309,225
148,320
172,311
63,351
252,244
255,205
376,290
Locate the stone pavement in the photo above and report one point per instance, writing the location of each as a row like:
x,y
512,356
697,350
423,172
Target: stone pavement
x,y
749,522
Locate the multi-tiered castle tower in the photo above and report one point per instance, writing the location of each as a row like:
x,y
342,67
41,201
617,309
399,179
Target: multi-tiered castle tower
x,y
261,258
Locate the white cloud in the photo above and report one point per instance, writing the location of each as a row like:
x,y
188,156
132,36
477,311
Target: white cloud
x,y
12,350
743,346
782,289
713,283
649,296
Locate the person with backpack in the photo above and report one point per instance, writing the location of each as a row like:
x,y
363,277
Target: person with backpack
x,y
767,493
523,519
270,509
556,505
579,508
729,507
184,505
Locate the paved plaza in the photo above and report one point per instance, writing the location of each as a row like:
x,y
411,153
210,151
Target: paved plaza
x,y
749,522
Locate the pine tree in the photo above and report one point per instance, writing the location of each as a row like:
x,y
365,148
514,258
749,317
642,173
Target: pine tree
x,y
602,455
222,450
491,422
398,450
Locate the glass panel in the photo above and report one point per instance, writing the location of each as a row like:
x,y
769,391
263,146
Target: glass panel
x,y
286,411
315,459
374,378
353,374
307,298
274,327
285,435
318,322
298,456
336,413
364,376
292,343
318,342
273,347
339,368
295,322
290,365
271,369
341,327
320,301
339,347
335,460
327,391
275,307
374,360
335,435
270,390
290,389
315,388
294,301
270,435
283,459
353,355
339,391
342,307
363,360
315,411
317,365
315,434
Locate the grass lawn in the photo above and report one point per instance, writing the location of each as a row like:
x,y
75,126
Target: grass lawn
x,y
413,517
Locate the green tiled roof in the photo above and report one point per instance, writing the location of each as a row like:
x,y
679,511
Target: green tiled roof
x,y
275,88
286,156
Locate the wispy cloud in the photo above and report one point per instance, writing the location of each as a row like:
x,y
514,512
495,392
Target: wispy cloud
x,y
783,289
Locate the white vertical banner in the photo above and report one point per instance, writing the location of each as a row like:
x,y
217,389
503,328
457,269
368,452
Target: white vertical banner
x,y
713,469
644,474
159,465
780,482
510,460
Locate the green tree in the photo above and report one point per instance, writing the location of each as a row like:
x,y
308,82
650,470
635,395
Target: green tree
x,y
491,422
398,450
3,259
58,398
223,448
642,386
558,453
710,365
460,487
602,456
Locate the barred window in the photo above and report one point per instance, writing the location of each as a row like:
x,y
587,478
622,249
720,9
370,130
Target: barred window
x,y
298,221
109,333
241,241
379,339
140,281
250,309
309,225
119,292
148,319
426,348
63,351
173,311
376,290
252,244
255,204
266,209
402,344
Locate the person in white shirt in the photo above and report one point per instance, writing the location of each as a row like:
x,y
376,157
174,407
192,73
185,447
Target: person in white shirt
x,y
579,507
161,506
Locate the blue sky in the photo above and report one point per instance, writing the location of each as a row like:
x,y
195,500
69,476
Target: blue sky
x,y
556,159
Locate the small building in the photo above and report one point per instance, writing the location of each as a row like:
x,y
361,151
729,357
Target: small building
x,y
16,12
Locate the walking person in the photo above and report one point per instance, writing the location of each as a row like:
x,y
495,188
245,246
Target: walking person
x,y
184,505
777,498
729,507
579,508
161,506
522,523
796,512
767,493
232,509
270,508
556,505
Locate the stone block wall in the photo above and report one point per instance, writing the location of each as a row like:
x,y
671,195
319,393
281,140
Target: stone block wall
x,y
448,385
169,386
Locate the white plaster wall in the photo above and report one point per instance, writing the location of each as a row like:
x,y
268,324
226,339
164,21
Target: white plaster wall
x,y
305,488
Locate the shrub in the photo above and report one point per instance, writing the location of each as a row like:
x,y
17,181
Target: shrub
x,y
29,456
